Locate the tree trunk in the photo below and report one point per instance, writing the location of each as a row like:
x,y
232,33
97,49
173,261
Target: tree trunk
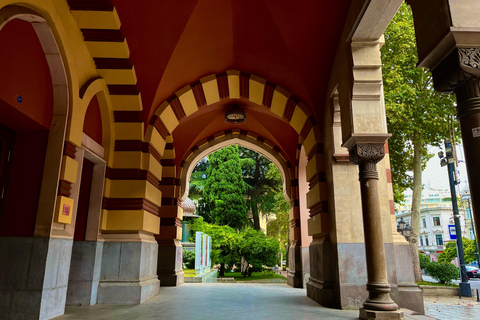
x,y
415,210
221,272
256,219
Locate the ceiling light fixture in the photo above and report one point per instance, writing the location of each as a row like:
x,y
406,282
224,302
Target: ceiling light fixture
x,y
235,116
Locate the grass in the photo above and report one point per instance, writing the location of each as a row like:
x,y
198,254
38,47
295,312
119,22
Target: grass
x,y
189,272
426,283
255,276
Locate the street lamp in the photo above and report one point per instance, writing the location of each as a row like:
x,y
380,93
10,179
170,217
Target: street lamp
x,y
466,196
449,161
403,228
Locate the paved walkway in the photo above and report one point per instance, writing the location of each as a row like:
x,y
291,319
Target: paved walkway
x,y
227,301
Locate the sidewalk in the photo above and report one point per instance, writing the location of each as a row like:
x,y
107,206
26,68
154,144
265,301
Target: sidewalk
x,y
452,308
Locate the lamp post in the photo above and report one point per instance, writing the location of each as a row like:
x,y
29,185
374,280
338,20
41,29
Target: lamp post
x,y
449,161
466,196
403,228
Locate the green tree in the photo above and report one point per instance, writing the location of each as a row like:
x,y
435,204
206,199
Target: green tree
x,y
257,250
229,246
224,190
450,251
261,186
416,116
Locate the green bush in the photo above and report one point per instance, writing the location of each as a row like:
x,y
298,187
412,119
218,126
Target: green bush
x,y
189,259
424,260
443,272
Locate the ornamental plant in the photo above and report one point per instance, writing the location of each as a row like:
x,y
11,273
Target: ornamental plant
x,y
443,272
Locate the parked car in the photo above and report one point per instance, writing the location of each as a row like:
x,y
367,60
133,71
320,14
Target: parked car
x,y
472,272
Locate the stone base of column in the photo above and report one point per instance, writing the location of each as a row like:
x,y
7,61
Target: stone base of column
x,y
84,273
175,278
170,262
375,314
128,292
409,294
294,274
317,291
33,277
129,272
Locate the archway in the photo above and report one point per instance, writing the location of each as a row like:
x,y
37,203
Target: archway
x,y
36,109
276,120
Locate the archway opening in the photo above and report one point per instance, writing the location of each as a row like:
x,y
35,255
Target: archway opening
x,y
238,194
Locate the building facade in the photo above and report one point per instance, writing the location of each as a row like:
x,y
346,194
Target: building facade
x,y
106,106
436,220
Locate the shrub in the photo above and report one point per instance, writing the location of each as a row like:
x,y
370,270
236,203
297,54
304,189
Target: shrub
x,y
443,272
189,259
424,260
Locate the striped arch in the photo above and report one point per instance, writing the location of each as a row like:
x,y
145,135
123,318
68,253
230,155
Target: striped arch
x,y
132,177
235,84
243,138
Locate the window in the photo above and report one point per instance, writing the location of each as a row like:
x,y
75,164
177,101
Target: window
x,y
469,215
426,240
439,239
436,221
424,223
421,241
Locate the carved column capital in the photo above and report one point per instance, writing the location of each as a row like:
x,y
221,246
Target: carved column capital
x,y
461,66
367,152
366,155
470,61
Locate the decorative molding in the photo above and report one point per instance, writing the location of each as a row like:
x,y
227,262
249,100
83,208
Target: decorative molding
x,y
103,35
367,152
320,207
64,188
130,204
470,60
69,149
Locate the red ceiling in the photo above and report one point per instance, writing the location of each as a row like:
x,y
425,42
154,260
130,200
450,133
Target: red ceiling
x,y
289,43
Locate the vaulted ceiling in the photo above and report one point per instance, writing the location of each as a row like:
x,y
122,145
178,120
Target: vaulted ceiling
x,y
291,44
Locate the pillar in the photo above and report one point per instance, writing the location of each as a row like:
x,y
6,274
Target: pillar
x,y
460,73
379,304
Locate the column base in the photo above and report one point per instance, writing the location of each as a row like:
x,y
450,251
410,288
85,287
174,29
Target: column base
x,y
294,279
175,278
128,273
170,262
84,273
375,314
294,274
411,297
317,292
127,292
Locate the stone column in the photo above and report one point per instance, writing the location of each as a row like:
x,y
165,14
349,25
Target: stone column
x,y
379,304
460,73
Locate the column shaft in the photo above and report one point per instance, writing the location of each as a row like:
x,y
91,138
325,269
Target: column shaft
x,y
468,112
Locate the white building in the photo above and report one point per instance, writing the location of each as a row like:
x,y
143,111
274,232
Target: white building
x,y
436,220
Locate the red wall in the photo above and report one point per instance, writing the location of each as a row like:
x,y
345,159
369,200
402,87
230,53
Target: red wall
x,y
24,72
93,121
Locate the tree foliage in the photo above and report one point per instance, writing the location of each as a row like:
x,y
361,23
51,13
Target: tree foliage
x,y
450,251
262,184
416,114
229,246
424,260
224,190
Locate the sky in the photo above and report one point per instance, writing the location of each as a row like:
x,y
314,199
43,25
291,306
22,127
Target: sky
x,y
437,176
